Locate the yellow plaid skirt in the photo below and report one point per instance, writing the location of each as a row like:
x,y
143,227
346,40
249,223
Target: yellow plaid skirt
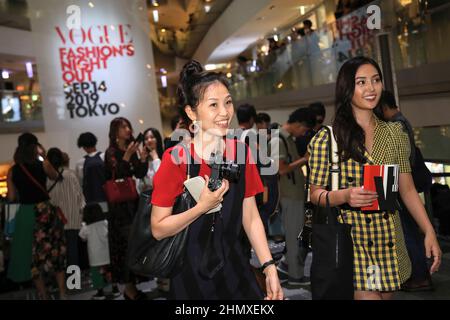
x,y
381,261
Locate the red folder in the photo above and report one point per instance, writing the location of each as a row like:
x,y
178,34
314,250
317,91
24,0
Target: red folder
x,y
382,179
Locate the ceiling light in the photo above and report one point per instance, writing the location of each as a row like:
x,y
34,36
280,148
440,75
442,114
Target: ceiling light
x,y
164,81
163,30
210,67
29,68
302,10
91,4
229,75
155,16
275,37
5,74
207,8
155,3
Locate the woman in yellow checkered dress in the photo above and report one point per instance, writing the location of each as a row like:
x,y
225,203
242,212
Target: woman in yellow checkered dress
x,y
379,248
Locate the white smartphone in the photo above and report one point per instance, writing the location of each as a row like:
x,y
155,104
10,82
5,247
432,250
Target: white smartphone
x,y
195,186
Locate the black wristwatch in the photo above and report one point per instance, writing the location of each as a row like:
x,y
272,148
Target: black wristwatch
x,y
265,265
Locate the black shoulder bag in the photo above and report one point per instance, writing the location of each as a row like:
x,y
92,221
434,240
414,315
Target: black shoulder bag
x,y
148,256
332,244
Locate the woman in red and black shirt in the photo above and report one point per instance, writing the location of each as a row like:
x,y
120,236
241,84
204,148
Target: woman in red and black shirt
x,y
223,272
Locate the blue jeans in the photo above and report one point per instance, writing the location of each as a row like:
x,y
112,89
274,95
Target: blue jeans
x,y
414,241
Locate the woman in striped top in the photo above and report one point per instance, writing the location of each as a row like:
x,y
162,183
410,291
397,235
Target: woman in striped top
x,y
66,193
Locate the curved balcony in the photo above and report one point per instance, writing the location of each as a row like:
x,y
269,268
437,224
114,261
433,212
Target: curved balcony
x,y
313,60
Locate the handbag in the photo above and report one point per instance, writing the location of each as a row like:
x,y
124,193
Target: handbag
x,y
158,258
332,244
120,190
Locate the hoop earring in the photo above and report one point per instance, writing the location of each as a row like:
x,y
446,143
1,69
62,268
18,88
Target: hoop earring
x,y
194,127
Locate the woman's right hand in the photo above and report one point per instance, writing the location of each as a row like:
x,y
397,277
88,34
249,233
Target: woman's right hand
x,y
357,197
209,200
132,148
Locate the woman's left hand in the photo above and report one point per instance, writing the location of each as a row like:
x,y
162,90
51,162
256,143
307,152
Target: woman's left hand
x,y
433,250
154,154
273,287
143,154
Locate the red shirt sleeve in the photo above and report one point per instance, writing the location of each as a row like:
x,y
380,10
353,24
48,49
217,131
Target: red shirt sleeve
x,y
168,180
253,183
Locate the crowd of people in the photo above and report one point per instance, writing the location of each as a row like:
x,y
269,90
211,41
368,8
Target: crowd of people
x,y
59,207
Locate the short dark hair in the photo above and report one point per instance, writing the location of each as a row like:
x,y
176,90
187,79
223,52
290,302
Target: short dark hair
x,y
303,116
245,113
308,23
87,140
388,100
317,108
262,117
55,157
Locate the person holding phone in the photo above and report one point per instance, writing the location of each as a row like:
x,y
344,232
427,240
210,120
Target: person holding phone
x,y
122,161
152,141
216,264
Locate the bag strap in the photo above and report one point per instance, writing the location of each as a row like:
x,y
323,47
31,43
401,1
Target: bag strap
x,y
335,173
60,177
333,159
188,159
34,180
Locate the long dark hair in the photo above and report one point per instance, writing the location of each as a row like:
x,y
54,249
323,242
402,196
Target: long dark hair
x,y
159,142
192,85
114,130
350,136
27,149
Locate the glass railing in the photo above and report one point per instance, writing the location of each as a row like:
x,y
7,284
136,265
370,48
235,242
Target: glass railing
x,y
314,60
18,107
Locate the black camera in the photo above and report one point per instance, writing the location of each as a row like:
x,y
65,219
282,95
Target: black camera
x,y
221,169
